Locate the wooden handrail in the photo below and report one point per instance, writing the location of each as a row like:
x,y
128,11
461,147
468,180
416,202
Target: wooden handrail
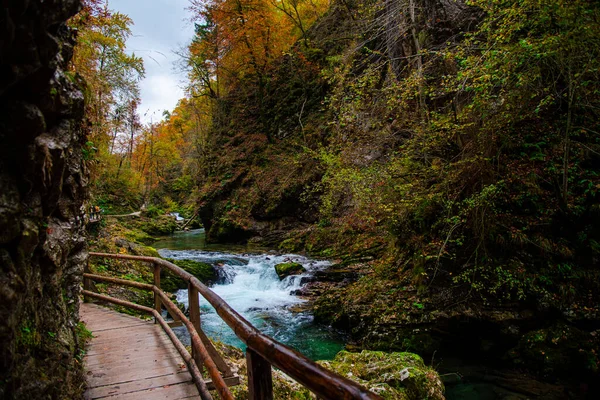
x,y
263,351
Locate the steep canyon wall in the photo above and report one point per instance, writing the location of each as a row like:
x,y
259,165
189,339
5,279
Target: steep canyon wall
x,y
43,184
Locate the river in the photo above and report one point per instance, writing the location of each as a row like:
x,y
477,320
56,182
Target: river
x,y
249,284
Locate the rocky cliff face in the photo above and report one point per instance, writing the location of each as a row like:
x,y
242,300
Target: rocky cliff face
x,y
42,188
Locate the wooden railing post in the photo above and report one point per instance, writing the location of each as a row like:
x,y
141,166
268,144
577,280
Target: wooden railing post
x,y
260,380
194,309
157,303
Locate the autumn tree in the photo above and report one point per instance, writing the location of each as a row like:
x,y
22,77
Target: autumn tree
x,y
112,92
237,42
112,75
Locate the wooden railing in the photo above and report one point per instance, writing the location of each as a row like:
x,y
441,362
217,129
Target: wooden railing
x,y
262,351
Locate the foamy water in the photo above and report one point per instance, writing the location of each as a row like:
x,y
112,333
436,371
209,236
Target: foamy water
x,y
250,285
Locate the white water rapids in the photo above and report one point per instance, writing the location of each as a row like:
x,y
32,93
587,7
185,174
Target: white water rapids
x,y
250,285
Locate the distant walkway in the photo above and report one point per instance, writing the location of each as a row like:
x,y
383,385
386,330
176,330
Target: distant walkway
x,y
132,359
133,214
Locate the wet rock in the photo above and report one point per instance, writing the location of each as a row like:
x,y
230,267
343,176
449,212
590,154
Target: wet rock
x,y
391,375
299,308
286,269
206,273
227,231
238,261
336,275
307,279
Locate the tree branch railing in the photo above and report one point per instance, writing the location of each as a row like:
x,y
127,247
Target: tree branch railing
x,y
262,351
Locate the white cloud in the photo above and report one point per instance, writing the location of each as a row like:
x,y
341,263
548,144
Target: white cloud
x,y
159,92
160,27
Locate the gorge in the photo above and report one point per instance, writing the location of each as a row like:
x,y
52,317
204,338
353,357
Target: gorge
x,y
433,164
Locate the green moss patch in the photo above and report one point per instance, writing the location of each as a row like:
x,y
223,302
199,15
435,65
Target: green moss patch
x,y
286,269
391,375
169,282
158,226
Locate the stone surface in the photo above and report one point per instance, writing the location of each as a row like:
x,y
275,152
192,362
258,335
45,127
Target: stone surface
x,y
206,273
43,184
289,268
391,375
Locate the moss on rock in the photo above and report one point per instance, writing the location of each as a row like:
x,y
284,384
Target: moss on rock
x,y
227,231
137,236
162,225
204,272
391,375
290,268
293,244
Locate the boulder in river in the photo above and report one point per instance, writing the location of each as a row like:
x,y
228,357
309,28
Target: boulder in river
x,y
391,375
289,268
206,273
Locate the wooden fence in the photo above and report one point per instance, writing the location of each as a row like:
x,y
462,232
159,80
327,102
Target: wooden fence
x,y
262,351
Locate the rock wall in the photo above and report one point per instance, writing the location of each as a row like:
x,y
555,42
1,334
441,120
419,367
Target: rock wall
x,y
43,184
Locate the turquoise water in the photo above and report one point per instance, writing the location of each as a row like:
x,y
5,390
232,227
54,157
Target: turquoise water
x,y
249,284
195,239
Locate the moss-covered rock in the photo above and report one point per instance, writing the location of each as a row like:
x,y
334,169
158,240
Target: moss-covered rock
x,y
290,268
379,372
392,375
134,248
138,236
169,282
292,244
162,225
227,231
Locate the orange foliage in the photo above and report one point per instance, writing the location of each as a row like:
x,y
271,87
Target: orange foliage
x,y
173,147
236,39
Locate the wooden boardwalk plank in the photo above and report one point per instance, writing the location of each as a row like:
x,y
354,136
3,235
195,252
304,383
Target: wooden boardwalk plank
x,y
178,391
123,350
136,386
103,378
93,360
123,334
123,368
130,358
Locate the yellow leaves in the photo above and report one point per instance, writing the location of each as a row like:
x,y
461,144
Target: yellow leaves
x,y
241,38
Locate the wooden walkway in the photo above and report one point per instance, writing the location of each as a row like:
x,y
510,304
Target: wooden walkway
x,y
130,358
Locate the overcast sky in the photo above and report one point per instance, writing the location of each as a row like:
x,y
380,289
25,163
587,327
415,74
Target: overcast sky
x,y
160,27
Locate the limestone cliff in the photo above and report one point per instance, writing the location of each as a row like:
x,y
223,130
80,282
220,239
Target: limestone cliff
x,y
43,184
